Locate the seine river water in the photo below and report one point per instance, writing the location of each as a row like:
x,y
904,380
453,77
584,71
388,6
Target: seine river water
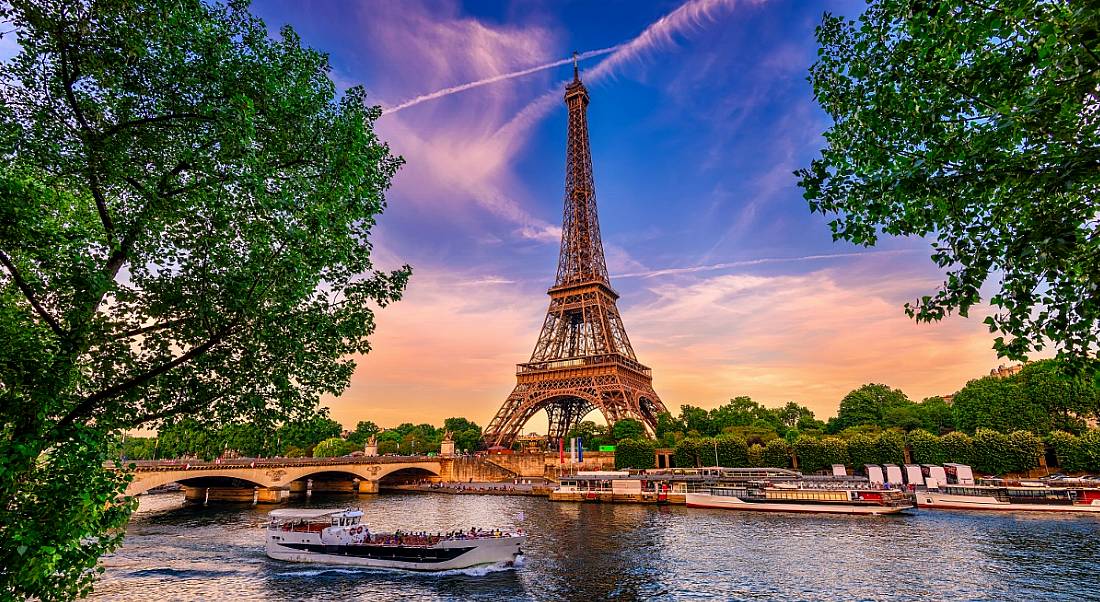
x,y
594,552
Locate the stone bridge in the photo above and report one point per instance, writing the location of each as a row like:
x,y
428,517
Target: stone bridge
x,y
276,479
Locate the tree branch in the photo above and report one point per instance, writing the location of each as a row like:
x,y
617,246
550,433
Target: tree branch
x,y
89,403
152,327
29,294
68,79
118,127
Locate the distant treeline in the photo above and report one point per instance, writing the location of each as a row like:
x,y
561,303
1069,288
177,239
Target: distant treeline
x,y
988,451
316,436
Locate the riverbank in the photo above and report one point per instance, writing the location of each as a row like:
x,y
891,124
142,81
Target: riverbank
x,y
175,551
484,488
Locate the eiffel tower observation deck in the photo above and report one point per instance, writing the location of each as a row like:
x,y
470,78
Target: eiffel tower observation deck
x,y
583,359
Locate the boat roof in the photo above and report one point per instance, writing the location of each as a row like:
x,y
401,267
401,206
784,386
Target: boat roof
x,y
310,512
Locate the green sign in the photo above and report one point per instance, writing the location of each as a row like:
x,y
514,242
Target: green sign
x,y
610,448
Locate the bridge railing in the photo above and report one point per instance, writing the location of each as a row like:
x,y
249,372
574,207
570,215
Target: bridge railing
x,y
168,465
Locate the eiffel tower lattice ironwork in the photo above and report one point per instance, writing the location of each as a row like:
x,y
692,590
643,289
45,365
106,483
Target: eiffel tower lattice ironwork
x,y
583,360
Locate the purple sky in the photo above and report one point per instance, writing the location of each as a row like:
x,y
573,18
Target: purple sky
x,y
729,285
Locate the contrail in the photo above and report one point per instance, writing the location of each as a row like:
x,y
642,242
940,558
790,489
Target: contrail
x,y
689,16
495,78
750,262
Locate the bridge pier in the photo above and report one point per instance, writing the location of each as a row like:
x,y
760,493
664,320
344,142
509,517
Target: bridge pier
x,y
244,495
368,486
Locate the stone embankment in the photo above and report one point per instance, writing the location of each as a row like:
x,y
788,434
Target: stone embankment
x,y
482,488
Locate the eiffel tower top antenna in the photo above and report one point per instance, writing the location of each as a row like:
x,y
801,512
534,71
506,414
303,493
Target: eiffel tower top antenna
x,y
576,69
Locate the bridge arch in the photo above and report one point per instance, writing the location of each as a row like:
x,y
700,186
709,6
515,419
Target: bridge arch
x,y
274,476
151,480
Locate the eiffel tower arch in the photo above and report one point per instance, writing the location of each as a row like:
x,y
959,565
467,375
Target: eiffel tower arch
x,y
583,360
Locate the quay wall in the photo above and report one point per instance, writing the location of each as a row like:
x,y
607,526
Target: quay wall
x,y
548,464
464,469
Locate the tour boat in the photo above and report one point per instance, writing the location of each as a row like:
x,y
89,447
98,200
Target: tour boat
x,y
1019,496
799,497
339,537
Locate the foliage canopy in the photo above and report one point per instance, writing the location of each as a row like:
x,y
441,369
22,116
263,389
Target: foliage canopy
x,y
184,229
976,124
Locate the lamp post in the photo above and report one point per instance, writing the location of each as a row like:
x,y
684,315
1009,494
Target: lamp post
x,y
716,453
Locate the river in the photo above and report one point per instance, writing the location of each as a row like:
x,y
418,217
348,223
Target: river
x,y
577,551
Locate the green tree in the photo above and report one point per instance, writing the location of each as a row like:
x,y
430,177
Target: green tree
x,y
305,433
364,429
776,454
185,230
732,451
687,453
627,428
635,453
975,123
669,429
333,447
592,435
926,448
467,435
890,448
695,419
936,415
793,415
957,447
739,411
862,450
1067,396
866,405
1000,404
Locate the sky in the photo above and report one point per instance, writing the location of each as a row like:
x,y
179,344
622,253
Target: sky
x,y
699,114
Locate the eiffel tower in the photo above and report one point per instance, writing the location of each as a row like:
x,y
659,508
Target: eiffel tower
x,y
583,360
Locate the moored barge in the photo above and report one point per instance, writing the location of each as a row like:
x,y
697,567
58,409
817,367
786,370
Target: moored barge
x,y
1017,496
798,497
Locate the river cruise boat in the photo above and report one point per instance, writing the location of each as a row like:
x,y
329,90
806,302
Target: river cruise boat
x,y
339,537
806,497
1011,496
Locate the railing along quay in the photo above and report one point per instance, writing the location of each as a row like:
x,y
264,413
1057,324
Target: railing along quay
x,y
163,465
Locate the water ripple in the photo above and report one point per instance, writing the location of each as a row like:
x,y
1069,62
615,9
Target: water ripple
x,y
595,552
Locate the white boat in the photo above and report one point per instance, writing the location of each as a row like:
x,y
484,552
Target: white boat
x,y
797,497
1022,496
339,537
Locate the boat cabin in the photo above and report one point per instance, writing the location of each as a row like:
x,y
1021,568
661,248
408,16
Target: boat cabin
x,y
311,519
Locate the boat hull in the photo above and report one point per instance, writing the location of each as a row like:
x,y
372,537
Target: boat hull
x,y
703,500
986,503
448,555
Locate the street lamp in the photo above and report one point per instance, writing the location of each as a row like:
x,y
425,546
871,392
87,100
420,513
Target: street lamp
x,y
716,453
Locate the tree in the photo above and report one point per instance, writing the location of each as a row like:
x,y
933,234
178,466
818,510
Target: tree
x,y
926,448
669,429
695,419
467,435
975,123
1067,396
333,447
627,428
364,429
793,415
1000,404
185,225
305,433
937,415
777,454
592,435
739,411
635,453
866,405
